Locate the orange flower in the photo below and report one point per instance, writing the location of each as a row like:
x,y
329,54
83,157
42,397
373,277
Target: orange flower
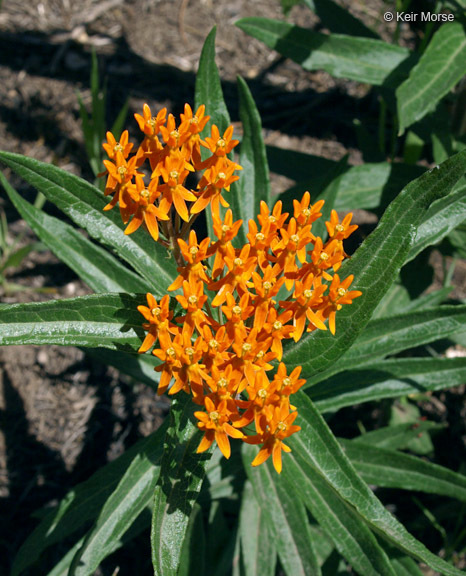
x,y
145,211
339,295
158,317
220,146
275,425
215,425
173,172
112,147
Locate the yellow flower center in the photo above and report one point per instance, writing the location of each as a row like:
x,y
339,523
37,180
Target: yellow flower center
x,y
118,148
175,134
222,383
152,122
214,416
262,393
155,311
171,352
341,292
272,219
192,299
190,352
213,344
306,212
260,237
237,310
145,194
267,285
193,250
286,381
324,256
294,238
281,426
221,143
260,355
221,176
122,170
237,262
339,228
225,228
246,347
308,294
173,175
194,120
277,325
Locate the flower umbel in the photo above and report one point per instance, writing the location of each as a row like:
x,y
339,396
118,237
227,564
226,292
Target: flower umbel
x,y
239,304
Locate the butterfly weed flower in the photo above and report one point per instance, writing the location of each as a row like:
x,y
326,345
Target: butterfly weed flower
x,y
239,304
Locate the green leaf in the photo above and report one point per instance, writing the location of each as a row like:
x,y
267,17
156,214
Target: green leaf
x,y
396,437
442,65
208,91
316,450
181,475
329,194
95,321
192,562
347,530
338,20
387,336
254,184
258,550
362,59
83,203
392,469
208,87
127,502
85,502
100,270
371,185
375,266
442,217
405,566
388,379
285,516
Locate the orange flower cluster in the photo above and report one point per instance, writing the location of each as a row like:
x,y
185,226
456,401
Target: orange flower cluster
x,y
173,153
238,304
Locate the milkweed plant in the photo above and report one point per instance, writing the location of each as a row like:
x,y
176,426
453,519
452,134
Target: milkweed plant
x,y
249,314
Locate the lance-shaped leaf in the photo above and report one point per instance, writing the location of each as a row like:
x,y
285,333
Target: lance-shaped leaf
x,y
208,87
97,267
125,505
83,203
375,266
258,551
392,469
95,321
286,517
85,502
209,92
363,59
442,65
181,476
387,336
443,216
350,534
371,185
315,449
396,437
388,379
254,184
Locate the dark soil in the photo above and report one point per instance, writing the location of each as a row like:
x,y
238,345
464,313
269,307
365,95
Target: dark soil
x,y
63,414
